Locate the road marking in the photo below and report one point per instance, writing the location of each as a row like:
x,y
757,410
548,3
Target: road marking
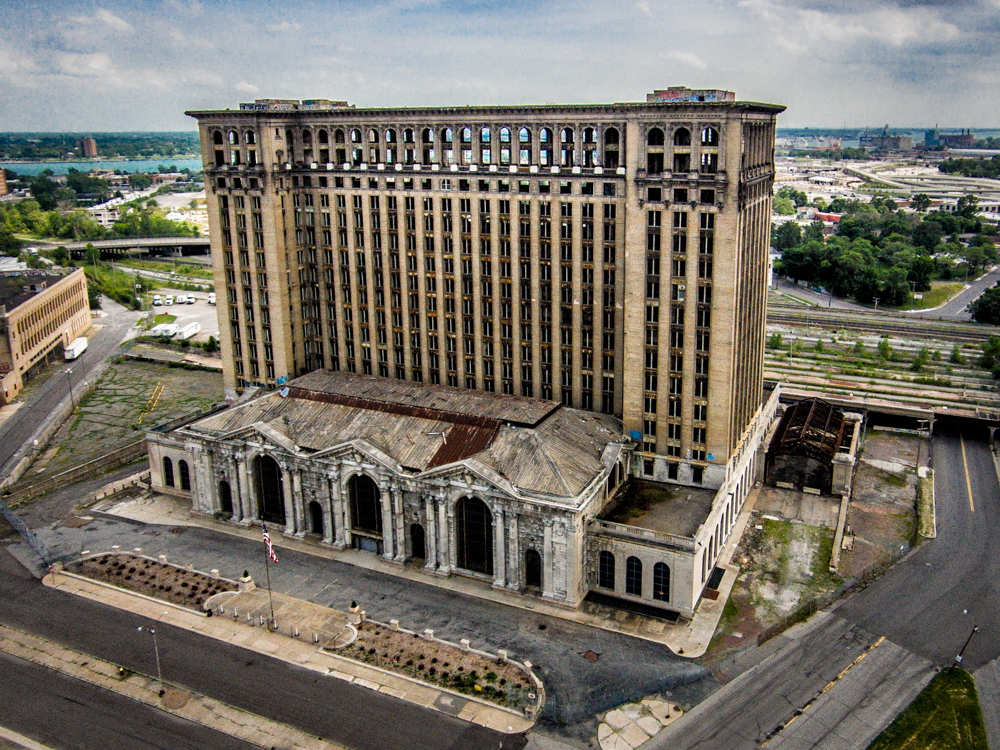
x,y
968,484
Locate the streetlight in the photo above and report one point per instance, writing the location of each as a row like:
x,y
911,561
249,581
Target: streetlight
x,y
156,650
69,379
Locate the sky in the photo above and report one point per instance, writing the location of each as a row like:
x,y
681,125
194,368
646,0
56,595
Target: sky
x,y
84,66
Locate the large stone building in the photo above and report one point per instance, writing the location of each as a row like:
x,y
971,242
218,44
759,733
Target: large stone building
x,y
40,312
611,258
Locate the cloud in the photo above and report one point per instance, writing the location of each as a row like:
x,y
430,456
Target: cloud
x,y
189,7
643,5
247,88
687,58
85,66
112,21
284,27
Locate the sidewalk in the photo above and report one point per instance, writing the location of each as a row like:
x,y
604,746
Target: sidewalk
x,y
300,651
688,638
199,709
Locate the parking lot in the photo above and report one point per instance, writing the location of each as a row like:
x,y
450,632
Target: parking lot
x,y
200,312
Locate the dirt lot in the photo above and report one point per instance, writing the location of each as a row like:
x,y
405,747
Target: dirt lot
x,y
129,398
489,679
174,585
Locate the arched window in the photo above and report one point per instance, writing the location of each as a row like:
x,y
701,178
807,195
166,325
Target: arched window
x,y
390,136
466,135
606,570
505,145
408,136
307,138
655,137
366,505
633,576
661,582
524,135
338,136
324,137
524,151
545,147
428,136
373,136
316,517
250,138
484,135
566,154
589,135
270,490
225,498
611,143
474,534
355,136
532,568
234,137
611,137
545,135
709,137
682,137
182,467
217,138
168,472
446,135
418,544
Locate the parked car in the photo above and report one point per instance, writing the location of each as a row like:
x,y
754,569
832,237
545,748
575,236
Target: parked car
x,y
190,299
169,300
211,298
157,300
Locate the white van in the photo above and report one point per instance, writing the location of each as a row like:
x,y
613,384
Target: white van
x,y
211,298
169,300
157,300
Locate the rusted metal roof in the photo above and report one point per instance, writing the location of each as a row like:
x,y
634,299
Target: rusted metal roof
x,y
812,427
439,398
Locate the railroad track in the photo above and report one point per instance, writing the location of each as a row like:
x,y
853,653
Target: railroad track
x,y
888,324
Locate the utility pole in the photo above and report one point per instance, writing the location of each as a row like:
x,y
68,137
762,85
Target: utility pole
x,y
69,379
156,649
958,659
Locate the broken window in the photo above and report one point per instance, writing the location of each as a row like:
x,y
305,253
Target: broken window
x,y
566,139
250,138
524,152
709,163
709,137
655,137
545,147
682,137
217,138
611,143
338,136
233,137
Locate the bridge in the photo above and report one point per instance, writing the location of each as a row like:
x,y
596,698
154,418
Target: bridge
x,y
144,245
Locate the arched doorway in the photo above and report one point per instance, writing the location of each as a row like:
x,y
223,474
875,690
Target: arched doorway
x,y
417,542
366,513
270,491
316,518
225,498
532,568
474,531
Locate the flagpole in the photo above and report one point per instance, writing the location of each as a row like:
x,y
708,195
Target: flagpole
x,y
267,569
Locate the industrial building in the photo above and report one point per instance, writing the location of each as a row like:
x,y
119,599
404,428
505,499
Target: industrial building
x,y
603,258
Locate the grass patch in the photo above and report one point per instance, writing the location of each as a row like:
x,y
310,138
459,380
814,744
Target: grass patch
x,y
639,497
946,714
927,523
164,318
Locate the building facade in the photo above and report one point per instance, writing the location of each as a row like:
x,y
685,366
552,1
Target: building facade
x,y
609,257
39,313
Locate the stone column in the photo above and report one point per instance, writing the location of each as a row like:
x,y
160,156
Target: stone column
x,y
547,566
452,538
514,551
397,509
328,525
499,550
344,511
334,523
235,478
431,536
298,503
246,492
289,494
574,562
385,497
444,539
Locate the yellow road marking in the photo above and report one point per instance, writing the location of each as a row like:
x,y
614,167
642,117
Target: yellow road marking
x,y
968,484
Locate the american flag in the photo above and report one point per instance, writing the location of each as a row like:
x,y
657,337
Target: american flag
x,y
270,547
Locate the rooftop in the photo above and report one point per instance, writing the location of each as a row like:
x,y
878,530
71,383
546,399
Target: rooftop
x,y
667,508
18,287
422,427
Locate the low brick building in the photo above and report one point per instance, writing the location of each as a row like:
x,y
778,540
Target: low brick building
x,y
40,312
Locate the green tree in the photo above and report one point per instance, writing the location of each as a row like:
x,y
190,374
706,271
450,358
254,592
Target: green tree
x,y
814,232
93,255
786,236
10,245
920,202
61,256
986,309
139,181
43,189
775,341
885,350
968,206
956,358
784,206
94,297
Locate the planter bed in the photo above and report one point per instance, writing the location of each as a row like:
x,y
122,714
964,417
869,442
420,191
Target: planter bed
x,y
186,588
489,679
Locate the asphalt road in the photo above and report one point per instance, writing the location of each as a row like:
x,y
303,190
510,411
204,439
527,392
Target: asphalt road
x,y
43,401
68,714
955,308
816,298
929,603
327,707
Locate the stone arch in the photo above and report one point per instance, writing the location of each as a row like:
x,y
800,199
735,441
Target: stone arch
x,y
606,570
365,505
682,137
168,472
661,582
418,542
270,489
633,576
185,475
225,497
474,535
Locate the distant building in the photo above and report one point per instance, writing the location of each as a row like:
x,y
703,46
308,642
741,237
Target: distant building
x,y
684,94
3,182
39,311
962,139
885,142
87,146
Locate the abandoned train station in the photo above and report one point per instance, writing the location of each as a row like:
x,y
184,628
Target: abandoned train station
x,y
523,494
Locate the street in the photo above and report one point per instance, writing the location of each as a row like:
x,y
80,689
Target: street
x,y
67,714
44,400
344,713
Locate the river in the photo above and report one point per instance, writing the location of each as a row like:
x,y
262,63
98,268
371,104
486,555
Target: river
x,y
31,168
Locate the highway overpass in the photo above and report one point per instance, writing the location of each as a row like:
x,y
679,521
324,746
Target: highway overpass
x,y
143,246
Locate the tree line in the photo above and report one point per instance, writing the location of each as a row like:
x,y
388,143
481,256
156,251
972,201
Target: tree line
x,y
880,252
34,146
